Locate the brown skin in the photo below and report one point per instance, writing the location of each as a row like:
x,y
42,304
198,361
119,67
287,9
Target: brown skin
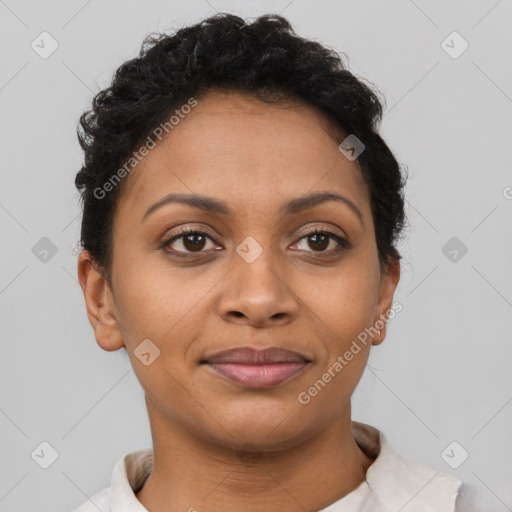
x,y
253,156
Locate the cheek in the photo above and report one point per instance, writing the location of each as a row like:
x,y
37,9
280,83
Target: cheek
x,y
167,308
345,306
152,308
153,302
345,315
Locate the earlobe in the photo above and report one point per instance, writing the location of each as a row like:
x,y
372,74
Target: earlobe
x,y
99,304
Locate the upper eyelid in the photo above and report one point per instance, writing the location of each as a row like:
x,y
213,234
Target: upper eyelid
x,y
193,229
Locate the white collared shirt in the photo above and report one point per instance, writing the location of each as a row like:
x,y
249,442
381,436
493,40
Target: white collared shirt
x,y
393,482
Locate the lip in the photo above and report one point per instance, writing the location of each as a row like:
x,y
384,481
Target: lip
x,y
250,355
256,368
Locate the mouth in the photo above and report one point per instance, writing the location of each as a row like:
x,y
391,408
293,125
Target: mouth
x,y
253,368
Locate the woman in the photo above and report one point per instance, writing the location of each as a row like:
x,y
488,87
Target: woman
x,y
239,228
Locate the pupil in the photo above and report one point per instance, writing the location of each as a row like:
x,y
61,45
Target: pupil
x,y
323,239
194,244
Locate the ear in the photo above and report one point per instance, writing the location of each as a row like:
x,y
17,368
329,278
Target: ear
x,y
389,282
99,303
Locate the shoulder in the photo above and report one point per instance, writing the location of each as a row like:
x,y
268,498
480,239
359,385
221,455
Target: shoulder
x,y
128,476
398,481
474,499
100,502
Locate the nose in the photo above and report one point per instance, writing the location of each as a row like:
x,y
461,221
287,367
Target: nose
x,y
259,294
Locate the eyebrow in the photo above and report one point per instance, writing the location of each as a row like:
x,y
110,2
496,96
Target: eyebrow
x,y
293,206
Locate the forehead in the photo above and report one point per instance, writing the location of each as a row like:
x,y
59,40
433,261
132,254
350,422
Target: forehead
x,y
253,154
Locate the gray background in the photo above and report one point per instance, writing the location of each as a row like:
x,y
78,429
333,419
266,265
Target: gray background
x,y
443,373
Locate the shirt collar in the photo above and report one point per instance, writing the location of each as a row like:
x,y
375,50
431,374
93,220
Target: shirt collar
x,y
396,482
128,476
393,481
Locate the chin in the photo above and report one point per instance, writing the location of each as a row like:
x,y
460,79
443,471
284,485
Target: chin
x,y
276,430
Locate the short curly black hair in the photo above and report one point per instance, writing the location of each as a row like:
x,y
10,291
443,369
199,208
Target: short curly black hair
x,y
265,58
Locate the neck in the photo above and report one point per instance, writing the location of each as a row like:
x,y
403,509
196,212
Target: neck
x,y
194,474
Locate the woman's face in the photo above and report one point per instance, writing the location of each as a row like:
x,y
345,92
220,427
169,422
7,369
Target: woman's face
x,y
258,277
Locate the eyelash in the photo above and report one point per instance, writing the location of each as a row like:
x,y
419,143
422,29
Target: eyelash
x,y
343,244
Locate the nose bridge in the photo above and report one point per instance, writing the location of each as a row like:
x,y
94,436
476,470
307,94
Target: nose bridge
x,y
257,265
257,285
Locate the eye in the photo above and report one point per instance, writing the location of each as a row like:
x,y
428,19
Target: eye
x,y
320,240
190,240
